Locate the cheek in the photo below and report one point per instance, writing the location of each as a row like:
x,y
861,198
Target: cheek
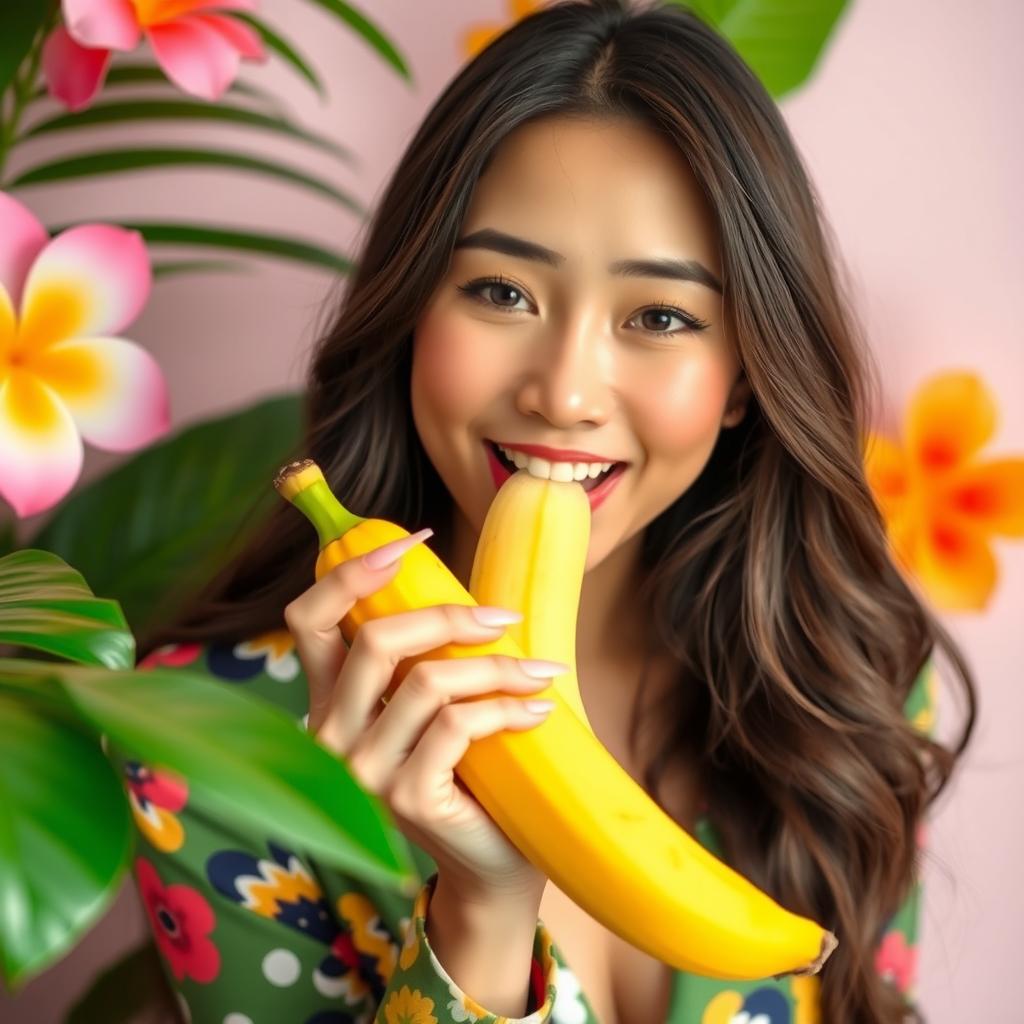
x,y
683,414
449,375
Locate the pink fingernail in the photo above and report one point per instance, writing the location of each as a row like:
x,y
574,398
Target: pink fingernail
x,y
388,554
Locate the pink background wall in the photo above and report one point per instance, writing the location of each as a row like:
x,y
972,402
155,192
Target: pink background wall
x,y
912,132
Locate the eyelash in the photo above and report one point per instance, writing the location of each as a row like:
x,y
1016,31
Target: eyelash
x,y
475,289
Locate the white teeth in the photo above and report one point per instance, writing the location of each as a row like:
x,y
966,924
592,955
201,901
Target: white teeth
x,y
565,471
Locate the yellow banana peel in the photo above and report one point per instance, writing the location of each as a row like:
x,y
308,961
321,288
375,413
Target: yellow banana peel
x,y
555,791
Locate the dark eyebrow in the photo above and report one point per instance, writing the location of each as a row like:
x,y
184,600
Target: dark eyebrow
x,y
672,270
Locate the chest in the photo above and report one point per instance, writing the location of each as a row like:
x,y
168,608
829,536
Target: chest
x,y
622,984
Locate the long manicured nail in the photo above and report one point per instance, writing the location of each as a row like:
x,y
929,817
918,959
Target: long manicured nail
x,y
388,554
489,615
541,669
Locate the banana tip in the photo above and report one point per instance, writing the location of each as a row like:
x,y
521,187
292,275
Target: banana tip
x,y
828,944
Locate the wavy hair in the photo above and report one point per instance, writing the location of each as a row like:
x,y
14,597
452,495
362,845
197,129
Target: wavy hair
x,y
771,580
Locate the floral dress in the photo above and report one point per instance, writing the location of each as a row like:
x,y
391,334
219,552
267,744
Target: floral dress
x,y
251,930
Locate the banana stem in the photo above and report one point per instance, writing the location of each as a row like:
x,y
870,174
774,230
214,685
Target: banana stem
x,y
303,484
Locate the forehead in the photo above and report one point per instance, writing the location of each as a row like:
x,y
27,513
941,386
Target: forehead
x,y
608,188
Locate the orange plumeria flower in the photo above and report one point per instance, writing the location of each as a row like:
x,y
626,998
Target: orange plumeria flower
x,y
941,504
480,35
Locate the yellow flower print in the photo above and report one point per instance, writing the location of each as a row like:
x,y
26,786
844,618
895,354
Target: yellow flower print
x,y
723,1008
368,934
410,949
408,1006
939,501
806,995
278,647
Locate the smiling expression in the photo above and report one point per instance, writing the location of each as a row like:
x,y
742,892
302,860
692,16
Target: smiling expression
x,y
580,347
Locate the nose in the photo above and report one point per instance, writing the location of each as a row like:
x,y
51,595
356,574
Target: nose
x,y
567,381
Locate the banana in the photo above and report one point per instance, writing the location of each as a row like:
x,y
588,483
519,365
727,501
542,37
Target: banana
x,y
538,572
554,790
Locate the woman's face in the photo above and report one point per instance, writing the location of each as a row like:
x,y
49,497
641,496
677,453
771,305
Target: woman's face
x,y
567,353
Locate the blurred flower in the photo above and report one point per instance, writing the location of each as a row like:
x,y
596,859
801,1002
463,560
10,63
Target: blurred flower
x,y
479,36
941,503
896,961
62,371
182,921
198,48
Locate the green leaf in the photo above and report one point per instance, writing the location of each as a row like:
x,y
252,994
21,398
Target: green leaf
x,y
115,161
231,238
121,993
781,40
169,268
154,529
149,74
285,50
182,109
47,605
250,760
65,836
373,35
19,23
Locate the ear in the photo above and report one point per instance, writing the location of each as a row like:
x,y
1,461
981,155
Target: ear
x,y
736,407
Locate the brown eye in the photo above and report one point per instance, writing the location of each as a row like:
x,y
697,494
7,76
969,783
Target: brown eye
x,y
486,289
661,314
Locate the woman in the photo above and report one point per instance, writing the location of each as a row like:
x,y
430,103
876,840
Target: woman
x,y
601,240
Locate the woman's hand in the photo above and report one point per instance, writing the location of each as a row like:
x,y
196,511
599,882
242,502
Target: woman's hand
x,y
405,751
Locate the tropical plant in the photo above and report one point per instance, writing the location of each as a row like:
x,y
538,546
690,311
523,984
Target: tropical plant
x,y
58,713
29,28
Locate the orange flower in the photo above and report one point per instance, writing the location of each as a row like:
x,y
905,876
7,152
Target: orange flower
x,y
479,36
941,503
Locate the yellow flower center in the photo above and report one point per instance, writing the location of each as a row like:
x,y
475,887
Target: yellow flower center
x,y
157,12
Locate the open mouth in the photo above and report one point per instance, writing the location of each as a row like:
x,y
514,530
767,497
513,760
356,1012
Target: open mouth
x,y
588,483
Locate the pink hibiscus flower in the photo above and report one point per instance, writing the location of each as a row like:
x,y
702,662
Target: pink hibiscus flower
x,y
181,920
198,49
63,373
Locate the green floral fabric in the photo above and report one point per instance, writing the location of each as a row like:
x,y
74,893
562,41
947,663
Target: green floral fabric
x,y
252,930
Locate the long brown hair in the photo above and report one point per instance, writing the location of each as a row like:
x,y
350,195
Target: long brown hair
x,y
770,578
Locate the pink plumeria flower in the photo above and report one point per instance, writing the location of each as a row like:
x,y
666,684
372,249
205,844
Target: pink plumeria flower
x,y
62,372
198,48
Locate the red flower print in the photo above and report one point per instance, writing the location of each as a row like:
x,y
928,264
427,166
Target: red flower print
x,y
173,655
896,961
181,919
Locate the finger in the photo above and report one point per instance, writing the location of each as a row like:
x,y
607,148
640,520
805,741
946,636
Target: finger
x,y
430,686
378,647
312,618
427,774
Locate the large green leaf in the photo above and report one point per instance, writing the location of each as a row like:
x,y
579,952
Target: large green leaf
x,y
20,20
168,268
156,527
121,111
250,760
231,238
151,74
46,605
285,50
781,40
118,160
373,35
65,835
